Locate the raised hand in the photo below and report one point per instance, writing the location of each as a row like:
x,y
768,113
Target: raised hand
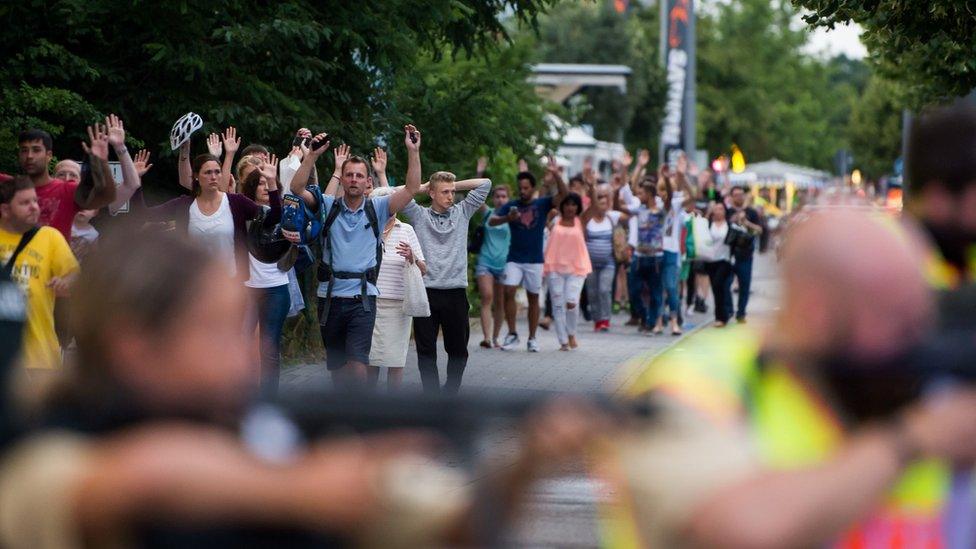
x,y
306,135
116,132
379,161
341,154
626,160
411,137
643,158
523,166
231,141
214,146
269,169
142,162
482,165
98,137
320,144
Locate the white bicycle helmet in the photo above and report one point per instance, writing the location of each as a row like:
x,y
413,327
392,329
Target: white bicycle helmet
x,y
184,128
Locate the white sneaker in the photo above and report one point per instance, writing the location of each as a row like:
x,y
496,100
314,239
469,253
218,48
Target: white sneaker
x,y
690,311
511,342
532,345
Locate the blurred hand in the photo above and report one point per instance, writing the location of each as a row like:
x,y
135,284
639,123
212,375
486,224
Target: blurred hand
x,y
341,154
116,133
523,166
411,133
61,285
214,146
944,426
482,165
269,170
379,161
562,431
231,141
141,162
98,137
643,158
316,152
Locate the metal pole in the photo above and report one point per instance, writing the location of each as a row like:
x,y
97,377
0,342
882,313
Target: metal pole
x,y
690,90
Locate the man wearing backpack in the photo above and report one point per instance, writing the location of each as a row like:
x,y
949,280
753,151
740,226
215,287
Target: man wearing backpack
x,y
351,253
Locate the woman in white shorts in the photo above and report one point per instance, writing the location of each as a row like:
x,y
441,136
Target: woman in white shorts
x,y
391,332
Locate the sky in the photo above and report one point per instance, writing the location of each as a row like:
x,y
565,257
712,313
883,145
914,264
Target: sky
x,y
842,39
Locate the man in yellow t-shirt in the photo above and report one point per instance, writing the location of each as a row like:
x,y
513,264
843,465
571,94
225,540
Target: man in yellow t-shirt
x,y
44,268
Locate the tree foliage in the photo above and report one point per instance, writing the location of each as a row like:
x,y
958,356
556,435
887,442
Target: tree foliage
x,y
757,88
927,47
593,32
358,70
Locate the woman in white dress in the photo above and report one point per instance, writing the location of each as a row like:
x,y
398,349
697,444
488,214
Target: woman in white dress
x,y
391,332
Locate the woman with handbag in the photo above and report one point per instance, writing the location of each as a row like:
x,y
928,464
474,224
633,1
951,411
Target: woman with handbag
x,y
719,266
391,332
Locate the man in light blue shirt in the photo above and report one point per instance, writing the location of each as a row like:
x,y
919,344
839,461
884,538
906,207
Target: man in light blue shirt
x,y
347,290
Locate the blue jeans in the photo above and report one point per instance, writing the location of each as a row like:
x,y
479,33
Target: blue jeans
x,y
742,269
649,271
269,308
669,278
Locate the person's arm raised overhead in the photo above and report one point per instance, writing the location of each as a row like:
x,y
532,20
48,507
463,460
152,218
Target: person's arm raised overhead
x,y
404,195
379,167
643,159
333,187
214,146
299,182
231,142
184,168
99,191
131,178
553,174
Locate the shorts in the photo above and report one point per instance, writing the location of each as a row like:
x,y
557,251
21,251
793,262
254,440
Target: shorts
x,y
527,275
348,332
497,274
391,334
698,267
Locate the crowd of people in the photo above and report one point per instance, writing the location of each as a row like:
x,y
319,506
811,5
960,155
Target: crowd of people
x,y
845,423
569,245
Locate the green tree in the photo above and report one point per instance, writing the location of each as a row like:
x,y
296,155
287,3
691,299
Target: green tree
x,y
265,68
927,47
875,128
593,32
758,89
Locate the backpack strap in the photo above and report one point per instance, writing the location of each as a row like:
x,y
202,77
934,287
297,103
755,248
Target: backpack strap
x,y
25,239
369,276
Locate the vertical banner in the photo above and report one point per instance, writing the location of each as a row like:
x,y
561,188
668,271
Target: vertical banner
x,y
678,57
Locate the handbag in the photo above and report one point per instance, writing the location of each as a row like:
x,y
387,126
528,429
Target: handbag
x,y
704,250
415,301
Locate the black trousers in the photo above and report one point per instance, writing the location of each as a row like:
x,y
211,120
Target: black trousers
x,y
448,314
720,276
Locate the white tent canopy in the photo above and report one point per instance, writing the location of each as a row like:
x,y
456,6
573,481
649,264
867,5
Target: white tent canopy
x,y
777,172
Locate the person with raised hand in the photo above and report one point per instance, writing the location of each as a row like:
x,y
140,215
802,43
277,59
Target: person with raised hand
x,y
352,251
269,299
526,217
379,167
59,199
442,229
213,216
226,143
130,175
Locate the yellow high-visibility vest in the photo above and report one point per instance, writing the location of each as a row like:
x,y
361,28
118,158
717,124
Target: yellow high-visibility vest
x,y
718,374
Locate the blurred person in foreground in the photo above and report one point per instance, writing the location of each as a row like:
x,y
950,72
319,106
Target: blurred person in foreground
x,y
812,433
139,448
941,170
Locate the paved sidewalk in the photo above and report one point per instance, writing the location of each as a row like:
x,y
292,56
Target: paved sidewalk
x,y
561,512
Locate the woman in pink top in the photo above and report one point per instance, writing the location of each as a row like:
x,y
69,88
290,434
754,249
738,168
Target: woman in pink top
x,y
566,265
